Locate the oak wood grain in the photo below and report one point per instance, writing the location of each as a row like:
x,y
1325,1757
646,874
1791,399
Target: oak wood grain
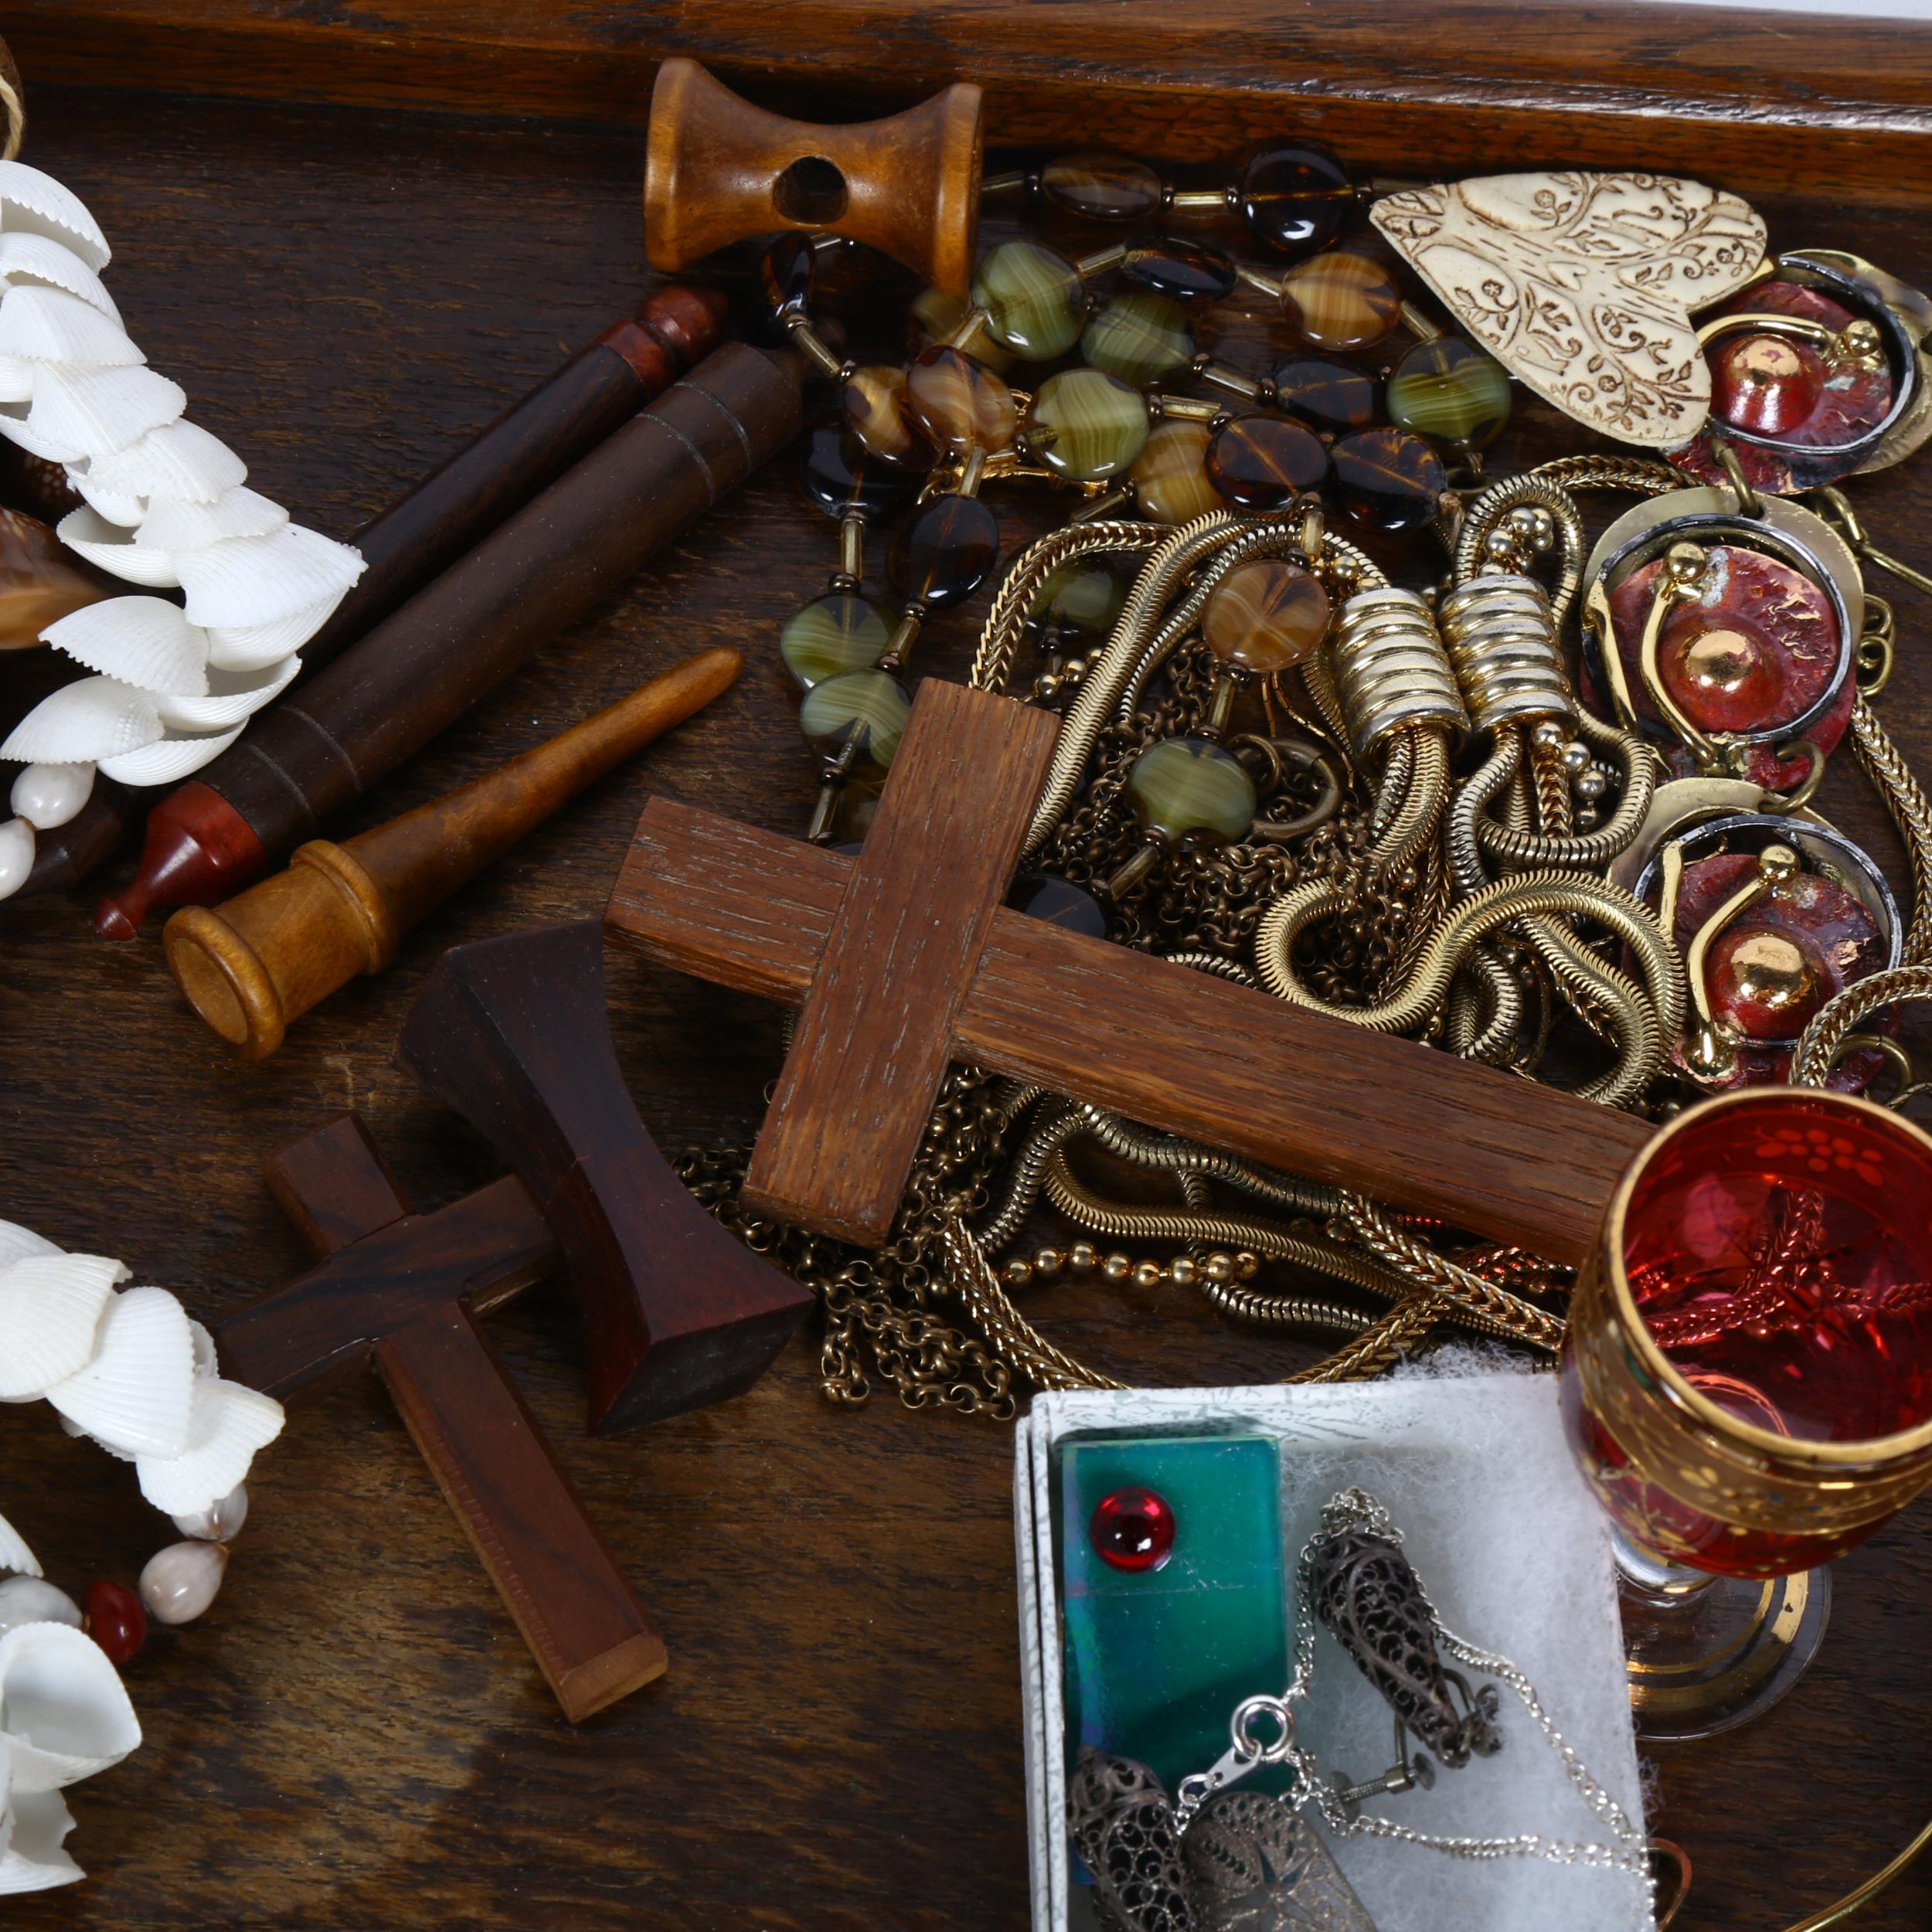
x,y
353,1738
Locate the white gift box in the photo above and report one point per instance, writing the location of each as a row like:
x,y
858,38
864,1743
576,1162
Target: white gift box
x,y
1515,1554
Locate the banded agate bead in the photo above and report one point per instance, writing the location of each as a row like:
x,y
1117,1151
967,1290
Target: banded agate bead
x,y
1102,187
832,634
1341,302
936,317
1086,594
1265,615
1329,396
958,404
874,400
1387,478
866,709
1035,301
1184,271
841,476
1295,196
1140,337
940,556
1260,462
1087,424
786,273
1170,475
1450,390
1190,789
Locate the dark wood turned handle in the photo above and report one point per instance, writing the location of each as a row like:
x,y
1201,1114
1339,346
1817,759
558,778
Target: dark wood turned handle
x,y
580,1616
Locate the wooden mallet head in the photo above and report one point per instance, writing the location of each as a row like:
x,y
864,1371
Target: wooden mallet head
x,y
719,170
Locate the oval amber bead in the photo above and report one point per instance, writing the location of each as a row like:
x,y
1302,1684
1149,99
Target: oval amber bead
x,y
1387,478
1184,271
958,404
1087,424
935,319
840,476
1329,396
830,634
865,709
1057,902
1450,390
1139,336
1265,615
874,400
1086,595
1295,196
1102,187
1190,789
1035,303
1341,301
1170,475
941,556
1260,462
785,272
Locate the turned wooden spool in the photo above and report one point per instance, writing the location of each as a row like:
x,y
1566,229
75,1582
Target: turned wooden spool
x,y
719,170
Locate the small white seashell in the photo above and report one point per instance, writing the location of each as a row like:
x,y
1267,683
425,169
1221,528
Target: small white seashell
x,y
16,379
255,579
143,641
248,647
16,1243
97,718
39,258
32,203
178,1583
178,460
115,548
67,1712
114,505
219,1524
232,696
170,525
136,1394
47,796
51,1306
16,856
170,760
49,326
27,1600
16,428
230,1424
32,1825
14,1556
94,412
206,1365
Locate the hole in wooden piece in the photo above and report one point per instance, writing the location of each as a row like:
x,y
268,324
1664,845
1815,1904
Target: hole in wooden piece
x,y
812,191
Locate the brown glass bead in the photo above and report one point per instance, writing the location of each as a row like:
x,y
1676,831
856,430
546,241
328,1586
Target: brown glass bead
x,y
1387,478
1102,187
1183,271
958,404
1295,196
1341,301
1265,615
874,401
941,556
1170,475
1328,397
1261,462
786,275
841,476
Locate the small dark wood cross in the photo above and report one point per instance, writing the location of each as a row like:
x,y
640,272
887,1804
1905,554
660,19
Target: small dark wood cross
x,y
904,958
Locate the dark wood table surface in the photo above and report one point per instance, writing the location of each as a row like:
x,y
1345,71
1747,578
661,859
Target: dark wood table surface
x,y
354,1737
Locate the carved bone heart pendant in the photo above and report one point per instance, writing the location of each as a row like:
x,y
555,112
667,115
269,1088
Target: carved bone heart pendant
x,y
1582,285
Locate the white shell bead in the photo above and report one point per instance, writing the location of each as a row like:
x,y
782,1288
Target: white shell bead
x,y
142,642
49,326
221,1523
26,1600
39,258
48,795
95,719
16,855
181,1581
168,759
34,203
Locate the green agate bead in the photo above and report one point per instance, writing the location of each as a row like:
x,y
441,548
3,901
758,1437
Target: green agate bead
x,y
1086,594
1449,390
832,634
1189,789
866,709
1139,336
1034,300
1087,424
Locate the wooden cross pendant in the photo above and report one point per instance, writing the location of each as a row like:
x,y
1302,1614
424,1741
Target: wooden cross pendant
x,y
905,958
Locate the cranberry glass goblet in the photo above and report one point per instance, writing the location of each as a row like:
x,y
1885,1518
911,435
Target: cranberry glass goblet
x,y
1747,1383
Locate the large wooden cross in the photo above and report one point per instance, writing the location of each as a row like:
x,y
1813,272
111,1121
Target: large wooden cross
x,y
905,958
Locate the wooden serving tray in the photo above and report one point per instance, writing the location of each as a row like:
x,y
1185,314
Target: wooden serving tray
x,y
354,235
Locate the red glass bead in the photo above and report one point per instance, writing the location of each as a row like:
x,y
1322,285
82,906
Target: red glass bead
x,y
1133,1529
116,1620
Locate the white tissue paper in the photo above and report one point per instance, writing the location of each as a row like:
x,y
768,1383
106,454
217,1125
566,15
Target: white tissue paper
x,y
1472,1465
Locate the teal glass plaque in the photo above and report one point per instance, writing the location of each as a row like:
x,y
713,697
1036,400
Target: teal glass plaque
x,y
1155,1659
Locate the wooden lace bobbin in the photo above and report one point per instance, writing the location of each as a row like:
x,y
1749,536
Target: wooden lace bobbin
x,y
263,959
719,170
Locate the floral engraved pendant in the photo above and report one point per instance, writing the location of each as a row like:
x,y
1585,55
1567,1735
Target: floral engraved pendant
x,y
1259,1866
1121,1822
1583,285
